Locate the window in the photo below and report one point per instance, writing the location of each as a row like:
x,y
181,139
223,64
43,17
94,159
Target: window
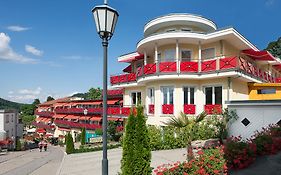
x,y
170,30
186,29
159,55
136,98
213,95
245,122
188,96
267,91
150,95
7,118
169,55
168,94
185,55
208,53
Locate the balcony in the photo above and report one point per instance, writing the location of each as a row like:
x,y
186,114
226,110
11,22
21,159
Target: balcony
x,y
116,110
217,65
64,123
44,113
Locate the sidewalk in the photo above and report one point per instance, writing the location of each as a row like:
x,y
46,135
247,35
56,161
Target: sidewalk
x,y
90,163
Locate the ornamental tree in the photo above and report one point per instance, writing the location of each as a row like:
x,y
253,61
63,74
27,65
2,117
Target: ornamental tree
x,y
83,136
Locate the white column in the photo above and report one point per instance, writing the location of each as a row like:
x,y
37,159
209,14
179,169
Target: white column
x,y
156,57
177,56
199,56
145,58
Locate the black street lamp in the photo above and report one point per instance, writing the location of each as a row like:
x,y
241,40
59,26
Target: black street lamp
x,y
105,18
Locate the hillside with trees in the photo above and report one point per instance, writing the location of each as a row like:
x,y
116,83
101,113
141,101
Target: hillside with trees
x,y
274,48
6,104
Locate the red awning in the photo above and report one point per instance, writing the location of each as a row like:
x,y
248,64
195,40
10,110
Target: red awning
x,y
128,69
41,130
63,129
114,119
71,117
84,118
95,119
131,57
111,102
59,116
277,66
259,55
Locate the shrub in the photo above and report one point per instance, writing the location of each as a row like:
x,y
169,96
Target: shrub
x,y
18,145
239,154
83,149
112,131
98,131
83,136
210,161
69,144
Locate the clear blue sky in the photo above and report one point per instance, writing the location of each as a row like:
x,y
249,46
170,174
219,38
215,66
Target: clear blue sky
x,y
51,47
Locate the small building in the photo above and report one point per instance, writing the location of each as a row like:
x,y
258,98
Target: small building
x,y
11,127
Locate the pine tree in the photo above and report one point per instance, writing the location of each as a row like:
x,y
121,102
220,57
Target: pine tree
x,y
83,136
136,147
127,162
142,147
69,144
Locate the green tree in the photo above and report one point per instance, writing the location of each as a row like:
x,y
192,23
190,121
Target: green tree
x,y
136,148
36,102
83,136
274,48
142,146
94,93
27,119
50,98
69,144
129,139
112,131
27,109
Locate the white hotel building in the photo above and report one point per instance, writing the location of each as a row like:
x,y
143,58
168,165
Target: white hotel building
x,y
186,64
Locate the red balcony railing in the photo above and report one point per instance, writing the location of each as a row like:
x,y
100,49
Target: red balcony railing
x,y
228,63
189,66
207,66
168,67
213,109
44,113
214,65
42,125
126,111
149,69
168,109
151,109
189,108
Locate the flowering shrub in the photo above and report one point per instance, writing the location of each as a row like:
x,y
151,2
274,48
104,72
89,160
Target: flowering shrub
x,y
210,161
239,154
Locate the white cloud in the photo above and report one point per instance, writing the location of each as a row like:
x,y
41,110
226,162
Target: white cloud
x,y
25,95
37,91
269,2
33,50
7,53
17,28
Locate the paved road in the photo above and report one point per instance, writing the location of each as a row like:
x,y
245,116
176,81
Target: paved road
x,y
32,162
90,163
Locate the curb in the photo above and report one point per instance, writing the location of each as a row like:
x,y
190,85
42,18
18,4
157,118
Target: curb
x,y
62,161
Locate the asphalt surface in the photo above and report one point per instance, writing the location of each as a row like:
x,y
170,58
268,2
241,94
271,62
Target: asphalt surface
x,y
32,162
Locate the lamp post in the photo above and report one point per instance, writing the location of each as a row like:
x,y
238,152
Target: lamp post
x,y
105,18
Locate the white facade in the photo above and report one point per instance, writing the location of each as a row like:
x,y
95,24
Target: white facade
x,y
185,63
9,125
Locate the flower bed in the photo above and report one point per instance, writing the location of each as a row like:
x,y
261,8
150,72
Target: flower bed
x,y
234,154
210,161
